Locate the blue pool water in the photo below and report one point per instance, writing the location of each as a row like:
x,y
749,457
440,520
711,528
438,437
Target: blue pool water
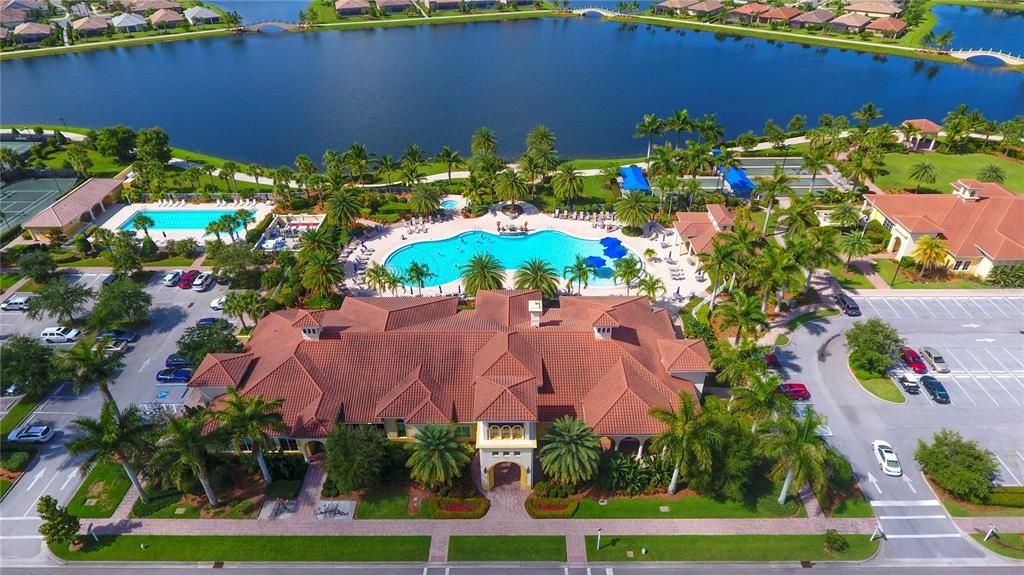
x,y
181,219
449,205
445,256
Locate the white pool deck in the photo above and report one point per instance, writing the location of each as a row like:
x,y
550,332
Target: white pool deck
x,y
116,218
390,240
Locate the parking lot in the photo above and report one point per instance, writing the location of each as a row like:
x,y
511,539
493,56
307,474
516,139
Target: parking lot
x,y
939,307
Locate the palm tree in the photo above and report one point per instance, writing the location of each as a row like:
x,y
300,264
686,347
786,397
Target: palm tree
x,y
854,245
322,273
343,208
246,420
436,457
511,186
800,455
678,122
482,272
626,270
566,184
651,285
215,227
450,158
87,364
929,252
227,171
800,216
244,218
770,189
418,274
114,437
649,127
744,312
357,159
709,130
570,451
992,173
923,173
866,114
182,452
579,271
845,215
255,171
726,160
740,365
484,142
386,166
537,274
689,437
635,209
540,137
143,222
228,224
814,162
773,270
424,200
761,400
313,240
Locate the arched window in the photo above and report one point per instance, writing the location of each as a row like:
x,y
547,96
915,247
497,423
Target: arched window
x,y
506,432
517,432
494,432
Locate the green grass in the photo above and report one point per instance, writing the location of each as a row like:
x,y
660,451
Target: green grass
x,y
5,486
15,416
879,386
725,548
853,508
389,503
960,509
249,548
758,218
886,269
7,279
688,507
600,163
507,548
895,174
168,512
850,276
102,166
801,319
782,340
993,544
107,483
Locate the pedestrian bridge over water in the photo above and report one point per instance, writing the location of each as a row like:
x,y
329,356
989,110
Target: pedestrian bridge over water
x,y
1004,57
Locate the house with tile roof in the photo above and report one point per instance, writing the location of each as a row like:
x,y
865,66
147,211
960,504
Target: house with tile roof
x,y
874,8
887,27
815,19
780,15
32,31
392,6
198,15
166,18
982,224
90,25
12,17
501,373
926,134
747,13
696,231
78,207
673,6
129,22
351,7
705,8
852,23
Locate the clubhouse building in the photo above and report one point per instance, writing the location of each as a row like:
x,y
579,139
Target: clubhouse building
x,y
501,372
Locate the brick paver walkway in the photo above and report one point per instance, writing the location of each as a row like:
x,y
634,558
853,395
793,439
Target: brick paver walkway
x,y
870,274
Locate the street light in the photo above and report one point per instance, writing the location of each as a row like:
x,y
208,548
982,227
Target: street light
x,y
598,539
65,123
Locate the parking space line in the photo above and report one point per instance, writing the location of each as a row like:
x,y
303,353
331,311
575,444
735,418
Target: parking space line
x,y
957,302
985,391
1003,370
874,308
907,305
988,315
1019,455
994,378
1008,470
939,301
893,308
1013,305
1012,354
998,307
956,380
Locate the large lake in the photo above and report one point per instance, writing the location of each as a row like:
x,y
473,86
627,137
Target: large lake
x,y
268,97
975,27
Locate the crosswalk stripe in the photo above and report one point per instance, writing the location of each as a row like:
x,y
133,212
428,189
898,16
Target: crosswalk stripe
x,y
916,503
911,517
924,536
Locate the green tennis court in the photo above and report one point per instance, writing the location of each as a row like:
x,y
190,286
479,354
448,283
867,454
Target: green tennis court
x,y
20,201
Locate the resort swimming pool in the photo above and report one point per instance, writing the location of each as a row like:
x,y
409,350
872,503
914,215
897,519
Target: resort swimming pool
x,y
445,256
449,205
180,219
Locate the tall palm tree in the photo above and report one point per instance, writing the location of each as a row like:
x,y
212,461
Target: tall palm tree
x,y
771,188
854,245
378,277
247,419
418,274
845,215
678,122
579,271
357,159
315,240
386,166
773,270
800,455
233,307
484,142
450,158
142,223
651,285
815,161
482,272
635,209
436,457
930,252
726,160
255,171
722,260
182,451
114,437
215,227
566,184
626,270
648,128
228,224
817,249
539,275
511,186
86,364
570,451
709,130
227,171
244,218
740,365
322,273
689,437
424,200
866,114
540,137
760,399
923,173
744,312
343,208
800,216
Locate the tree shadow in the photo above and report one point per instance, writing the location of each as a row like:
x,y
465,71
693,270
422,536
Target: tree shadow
x,y
164,318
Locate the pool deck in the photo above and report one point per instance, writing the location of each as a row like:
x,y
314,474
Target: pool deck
x,y
390,240
115,218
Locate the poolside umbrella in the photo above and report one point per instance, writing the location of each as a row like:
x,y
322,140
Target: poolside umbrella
x,y
615,252
609,242
595,261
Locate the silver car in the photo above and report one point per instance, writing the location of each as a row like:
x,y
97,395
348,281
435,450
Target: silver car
x,y
934,359
36,434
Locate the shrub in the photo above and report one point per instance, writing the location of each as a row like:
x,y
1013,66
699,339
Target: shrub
x,y
284,488
1004,496
871,343
158,499
15,460
329,489
958,465
454,508
544,508
356,456
632,232
835,542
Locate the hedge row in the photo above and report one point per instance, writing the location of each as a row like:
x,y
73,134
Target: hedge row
x,y
157,501
546,508
15,460
456,508
1007,497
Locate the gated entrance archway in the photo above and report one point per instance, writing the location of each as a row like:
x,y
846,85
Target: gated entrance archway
x,y
506,473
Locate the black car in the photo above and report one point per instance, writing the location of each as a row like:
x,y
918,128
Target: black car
x,y
847,304
176,361
934,389
119,335
207,321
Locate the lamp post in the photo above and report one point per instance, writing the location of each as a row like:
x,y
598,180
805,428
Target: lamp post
x,y
598,539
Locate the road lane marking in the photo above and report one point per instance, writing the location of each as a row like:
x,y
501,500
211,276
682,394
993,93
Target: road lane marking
x,y
910,484
55,413
874,482
1008,470
908,503
893,517
27,518
144,364
924,536
36,478
68,480
12,537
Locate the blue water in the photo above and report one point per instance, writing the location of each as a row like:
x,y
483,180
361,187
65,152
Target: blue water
x,y
257,11
449,205
982,27
445,256
268,97
180,219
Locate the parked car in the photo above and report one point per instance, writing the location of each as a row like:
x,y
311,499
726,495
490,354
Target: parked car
x,y
174,361
180,375
846,304
934,389
59,334
885,455
31,434
207,321
16,303
771,361
912,360
202,281
906,379
171,279
112,345
794,391
111,278
934,359
218,304
187,278
119,334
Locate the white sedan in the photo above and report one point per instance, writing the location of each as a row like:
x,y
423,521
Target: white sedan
x,y
886,458
171,279
36,434
218,304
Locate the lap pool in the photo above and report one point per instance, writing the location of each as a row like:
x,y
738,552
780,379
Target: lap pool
x,y
180,219
445,256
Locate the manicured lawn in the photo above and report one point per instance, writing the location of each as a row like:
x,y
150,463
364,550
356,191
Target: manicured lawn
x,y
801,319
886,269
758,218
850,276
950,168
17,413
1007,544
782,340
725,548
879,386
688,507
7,279
389,503
169,512
107,483
4,487
506,548
598,163
102,166
853,507
249,548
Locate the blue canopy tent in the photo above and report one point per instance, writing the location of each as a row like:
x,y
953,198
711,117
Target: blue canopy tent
x,y
615,252
739,183
633,180
609,241
595,261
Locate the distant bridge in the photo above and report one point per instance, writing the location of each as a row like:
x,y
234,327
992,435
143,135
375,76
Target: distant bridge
x,y
1004,57
594,10
279,24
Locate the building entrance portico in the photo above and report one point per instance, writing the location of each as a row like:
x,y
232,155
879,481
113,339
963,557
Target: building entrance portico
x,y
506,473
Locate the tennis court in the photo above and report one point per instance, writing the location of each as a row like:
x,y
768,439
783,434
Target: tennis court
x,y
19,147
20,201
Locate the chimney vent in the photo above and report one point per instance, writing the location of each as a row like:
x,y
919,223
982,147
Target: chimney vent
x,y
536,310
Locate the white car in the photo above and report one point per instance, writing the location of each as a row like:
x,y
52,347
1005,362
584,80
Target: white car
x,y
36,434
218,304
886,458
202,281
59,334
16,303
171,279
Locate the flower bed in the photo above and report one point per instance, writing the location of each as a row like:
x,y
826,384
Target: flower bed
x,y
546,508
455,508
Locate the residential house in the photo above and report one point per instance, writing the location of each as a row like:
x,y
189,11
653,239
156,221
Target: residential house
x,y
25,5
129,22
705,8
4,33
696,231
198,15
165,18
747,13
31,32
815,19
673,6
10,18
90,25
874,8
351,7
925,138
780,15
444,4
392,6
501,373
143,6
853,23
887,27
982,224
78,207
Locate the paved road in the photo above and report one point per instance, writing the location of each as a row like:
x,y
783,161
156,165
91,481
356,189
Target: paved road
x,y
55,472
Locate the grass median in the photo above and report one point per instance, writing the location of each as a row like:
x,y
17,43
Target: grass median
x,y
1006,544
15,416
804,318
725,548
104,488
879,386
249,548
507,548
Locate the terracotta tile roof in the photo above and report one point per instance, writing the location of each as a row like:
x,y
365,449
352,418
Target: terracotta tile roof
x,y
852,20
13,16
706,6
786,13
684,355
925,125
623,399
3,33
721,214
752,9
873,7
165,16
698,227
147,5
817,16
33,29
351,4
77,202
90,23
222,370
395,3
388,313
676,4
888,24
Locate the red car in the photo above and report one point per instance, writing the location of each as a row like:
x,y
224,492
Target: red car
x,y
771,361
794,391
187,278
913,360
